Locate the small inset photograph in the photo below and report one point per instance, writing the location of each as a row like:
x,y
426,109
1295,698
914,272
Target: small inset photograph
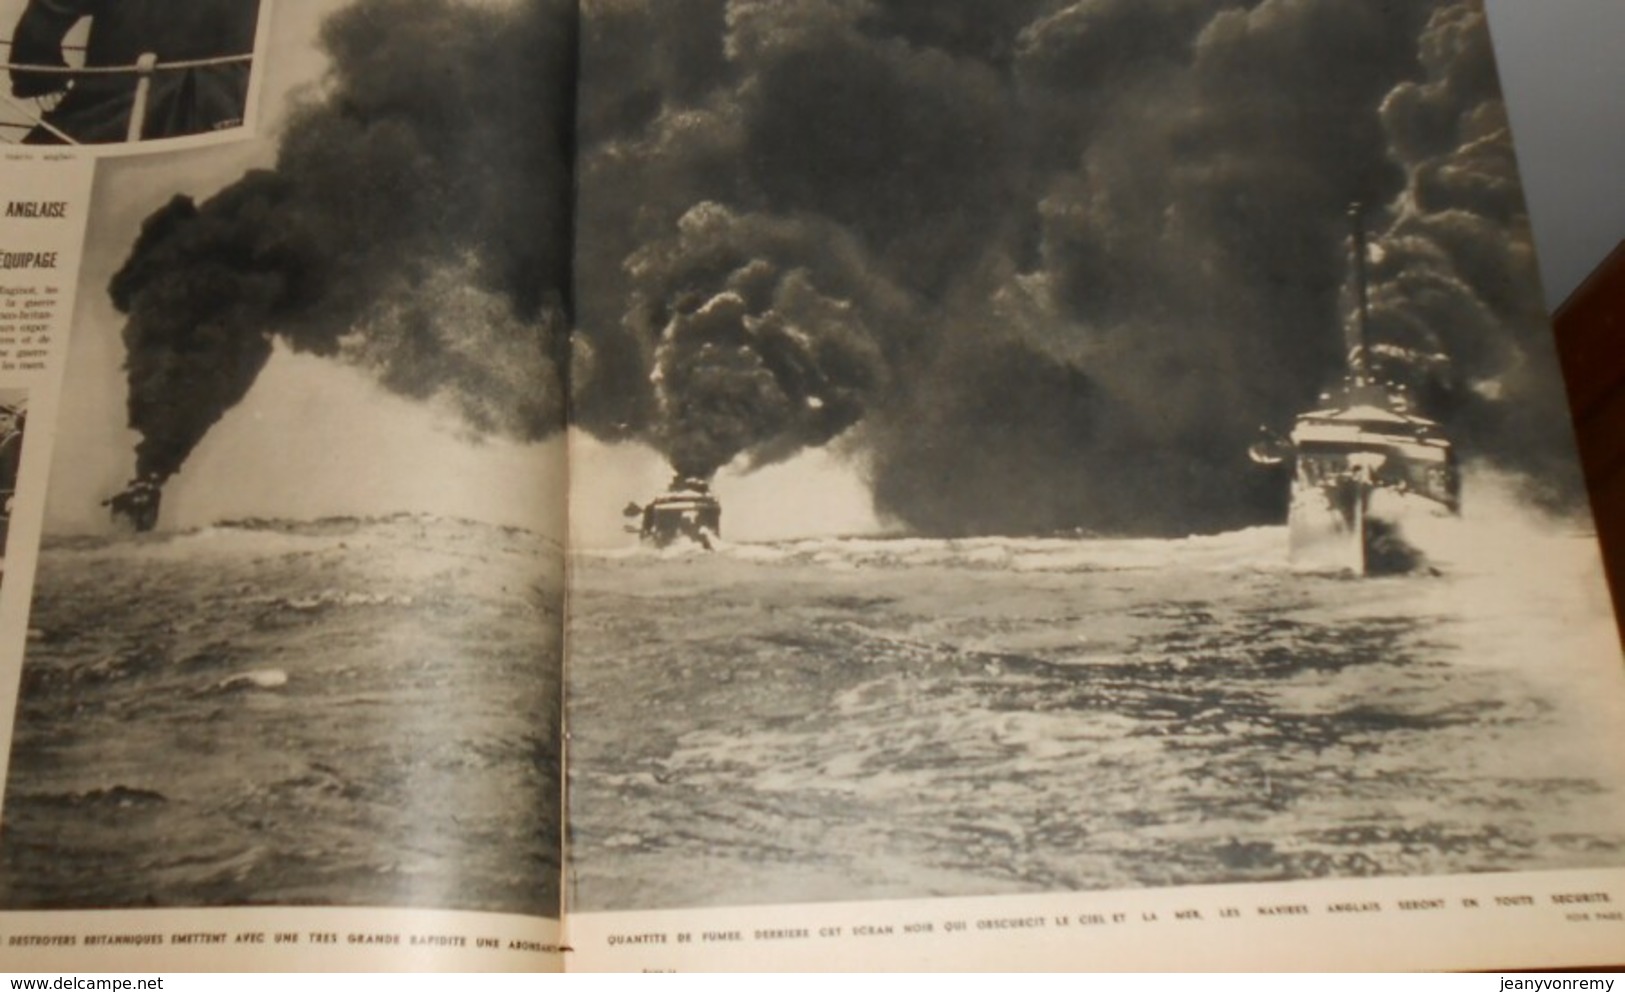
x,y
120,72
300,575
13,424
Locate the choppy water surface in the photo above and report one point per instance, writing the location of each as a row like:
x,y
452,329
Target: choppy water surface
x,y
873,719
350,713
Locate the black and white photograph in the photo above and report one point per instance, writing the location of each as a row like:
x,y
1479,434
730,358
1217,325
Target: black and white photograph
x,y
295,634
1067,445
117,72
13,425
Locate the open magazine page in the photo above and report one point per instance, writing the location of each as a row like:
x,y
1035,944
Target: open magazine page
x,y
280,628
1101,495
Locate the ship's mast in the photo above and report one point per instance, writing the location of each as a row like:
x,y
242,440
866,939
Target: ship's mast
x,y
1358,358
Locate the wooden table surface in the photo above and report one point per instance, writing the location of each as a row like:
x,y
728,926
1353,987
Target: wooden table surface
x,y
1590,328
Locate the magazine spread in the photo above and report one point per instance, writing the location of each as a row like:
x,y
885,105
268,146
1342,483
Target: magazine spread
x,y
1037,484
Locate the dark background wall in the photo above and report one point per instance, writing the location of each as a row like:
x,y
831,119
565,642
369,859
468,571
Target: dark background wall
x,y
1563,66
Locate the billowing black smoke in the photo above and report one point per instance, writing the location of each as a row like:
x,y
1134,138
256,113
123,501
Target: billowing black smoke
x,y
1188,266
1040,264
1453,294
1101,242
768,335
416,224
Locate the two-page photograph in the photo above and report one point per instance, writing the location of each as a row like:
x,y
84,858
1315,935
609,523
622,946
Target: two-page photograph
x,y
804,484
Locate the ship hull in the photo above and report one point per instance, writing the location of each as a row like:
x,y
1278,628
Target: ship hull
x,y
1356,528
1327,529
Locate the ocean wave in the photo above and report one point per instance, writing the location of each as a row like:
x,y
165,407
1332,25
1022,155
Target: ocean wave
x,y
1251,550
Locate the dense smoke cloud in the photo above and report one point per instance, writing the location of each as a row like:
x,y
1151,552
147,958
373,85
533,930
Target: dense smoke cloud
x,y
1193,255
1454,276
1112,235
1039,265
417,223
753,356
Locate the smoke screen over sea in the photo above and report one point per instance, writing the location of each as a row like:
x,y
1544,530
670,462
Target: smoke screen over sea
x,y
1033,266
410,226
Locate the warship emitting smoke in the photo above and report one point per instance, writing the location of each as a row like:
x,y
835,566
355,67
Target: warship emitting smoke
x,y
929,230
1065,337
